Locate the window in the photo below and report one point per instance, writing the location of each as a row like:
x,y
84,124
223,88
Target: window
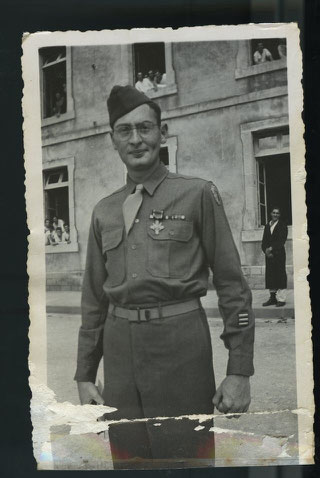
x,y
168,154
164,156
149,57
274,187
153,72
267,176
267,49
56,85
273,171
59,205
54,81
56,195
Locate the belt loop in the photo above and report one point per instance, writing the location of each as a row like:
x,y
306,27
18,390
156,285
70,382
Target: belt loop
x,y
139,318
160,310
113,315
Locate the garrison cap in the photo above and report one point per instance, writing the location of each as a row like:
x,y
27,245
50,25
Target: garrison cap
x,y
124,99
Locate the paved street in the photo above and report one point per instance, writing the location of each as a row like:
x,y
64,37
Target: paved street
x,y
273,385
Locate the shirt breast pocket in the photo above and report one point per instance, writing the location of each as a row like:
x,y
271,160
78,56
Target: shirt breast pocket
x,y
169,252
114,256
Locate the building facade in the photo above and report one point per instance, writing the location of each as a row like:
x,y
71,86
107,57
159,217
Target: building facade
x,y
227,119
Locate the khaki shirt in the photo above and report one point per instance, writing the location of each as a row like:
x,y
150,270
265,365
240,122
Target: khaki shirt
x,y
146,268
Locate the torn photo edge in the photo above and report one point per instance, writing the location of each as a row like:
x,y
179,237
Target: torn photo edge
x,y
34,195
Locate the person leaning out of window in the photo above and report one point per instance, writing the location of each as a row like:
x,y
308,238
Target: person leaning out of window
x,y
262,54
273,241
48,232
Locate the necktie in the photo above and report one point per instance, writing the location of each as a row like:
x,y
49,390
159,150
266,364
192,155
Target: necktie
x,y
131,207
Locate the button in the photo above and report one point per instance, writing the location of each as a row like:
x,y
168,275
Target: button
x,y
133,246
171,233
134,275
136,220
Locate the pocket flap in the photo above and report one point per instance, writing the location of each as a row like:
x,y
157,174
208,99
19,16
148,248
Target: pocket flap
x,y
173,231
112,238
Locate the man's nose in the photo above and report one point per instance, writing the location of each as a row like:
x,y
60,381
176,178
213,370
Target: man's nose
x,y
135,137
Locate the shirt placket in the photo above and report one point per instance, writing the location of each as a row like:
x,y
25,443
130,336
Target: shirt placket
x,y
135,253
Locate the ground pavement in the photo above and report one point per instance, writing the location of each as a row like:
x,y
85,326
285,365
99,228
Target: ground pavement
x,y
254,437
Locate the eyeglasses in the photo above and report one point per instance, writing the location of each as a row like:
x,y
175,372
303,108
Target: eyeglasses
x,y
144,129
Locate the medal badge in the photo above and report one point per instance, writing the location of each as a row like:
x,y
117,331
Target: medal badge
x,y
158,217
157,225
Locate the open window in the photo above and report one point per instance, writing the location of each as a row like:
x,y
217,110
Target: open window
x,y
58,189
55,82
267,49
274,187
267,174
153,72
164,156
168,154
273,174
56,195
259,56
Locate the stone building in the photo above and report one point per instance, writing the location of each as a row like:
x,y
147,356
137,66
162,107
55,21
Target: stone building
x,y
227,121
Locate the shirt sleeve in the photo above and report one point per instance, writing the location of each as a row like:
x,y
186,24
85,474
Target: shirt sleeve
x,y
234,295
94,306
264,240
268,54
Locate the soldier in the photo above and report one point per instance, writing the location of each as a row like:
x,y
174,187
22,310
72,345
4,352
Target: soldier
x,y
151,245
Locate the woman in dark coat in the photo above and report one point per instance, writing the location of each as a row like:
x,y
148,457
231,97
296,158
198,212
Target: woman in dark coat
x,y
273,241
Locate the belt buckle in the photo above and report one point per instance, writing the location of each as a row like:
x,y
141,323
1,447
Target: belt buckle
x,y
146,315
139,315
134,315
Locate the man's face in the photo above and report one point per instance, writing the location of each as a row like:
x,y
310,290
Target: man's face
x,y
66,228
140,77
151,74
138,153
260,47
158,76
275,214
59,232
47,223
55,219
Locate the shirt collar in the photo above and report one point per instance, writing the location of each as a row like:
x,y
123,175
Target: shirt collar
x,y
273,224
152,182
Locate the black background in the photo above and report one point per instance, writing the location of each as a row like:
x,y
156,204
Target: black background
x,y
18,16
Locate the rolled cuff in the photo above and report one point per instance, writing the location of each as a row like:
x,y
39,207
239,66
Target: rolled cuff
x,y
86,372
240,364
90,351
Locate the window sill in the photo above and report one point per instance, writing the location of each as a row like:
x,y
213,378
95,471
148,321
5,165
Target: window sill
x,y
255,235
167,90
58,119
60,248
261,68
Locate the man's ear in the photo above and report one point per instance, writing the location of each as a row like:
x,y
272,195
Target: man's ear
x,y
164,133
113,142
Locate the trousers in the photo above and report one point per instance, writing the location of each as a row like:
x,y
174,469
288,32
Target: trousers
x,y
280,294
159,369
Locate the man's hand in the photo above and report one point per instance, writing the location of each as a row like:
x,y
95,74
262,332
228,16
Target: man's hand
x,y
87,392
233,395
269,252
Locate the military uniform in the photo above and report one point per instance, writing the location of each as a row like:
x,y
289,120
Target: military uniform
x,y
141,311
